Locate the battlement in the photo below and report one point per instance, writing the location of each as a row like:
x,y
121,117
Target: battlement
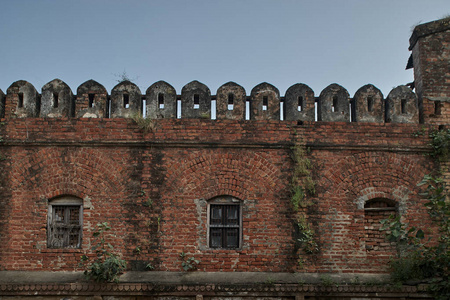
x,y
161,101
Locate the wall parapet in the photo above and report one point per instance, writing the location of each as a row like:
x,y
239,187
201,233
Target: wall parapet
x,y
160,100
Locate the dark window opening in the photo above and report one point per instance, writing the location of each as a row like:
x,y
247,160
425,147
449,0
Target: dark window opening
x,y
20,104
224,226
126,101
161,101
370,103
230,98
55,100
300,103
265,102
403,106
91,100
335,104
437,108
196,101
65,223
230,101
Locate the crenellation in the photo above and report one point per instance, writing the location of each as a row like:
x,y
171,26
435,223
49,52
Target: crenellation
x,y
161,100
91,100
334,104
57,100
299,103
195,101
264,102
126,100
231,101
22,100
223,192
402,106
368,105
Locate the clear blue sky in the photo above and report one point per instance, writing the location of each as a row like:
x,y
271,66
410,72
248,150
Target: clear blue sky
x,y
317,42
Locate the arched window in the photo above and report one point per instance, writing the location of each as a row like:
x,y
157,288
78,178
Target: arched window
x,y
376,210
224,223
65,222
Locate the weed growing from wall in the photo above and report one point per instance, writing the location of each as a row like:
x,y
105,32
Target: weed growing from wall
x,y
188,263
144,124
306,238
107,266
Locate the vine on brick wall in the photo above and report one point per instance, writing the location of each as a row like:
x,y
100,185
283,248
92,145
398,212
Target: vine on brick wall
x,y
302,188
302,184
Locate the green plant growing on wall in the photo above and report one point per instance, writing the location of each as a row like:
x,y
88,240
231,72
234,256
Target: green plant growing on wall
x,y
302,183
306,238
416,259
107,266
145,124
326,280
188,263
148,202
440,141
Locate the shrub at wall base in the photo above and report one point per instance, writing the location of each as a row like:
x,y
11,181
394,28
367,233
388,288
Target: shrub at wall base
x,y
107,266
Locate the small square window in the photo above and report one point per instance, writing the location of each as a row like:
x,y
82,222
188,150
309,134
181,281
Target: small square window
x,y
64,226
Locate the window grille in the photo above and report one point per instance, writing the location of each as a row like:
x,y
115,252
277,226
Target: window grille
x,y
224,226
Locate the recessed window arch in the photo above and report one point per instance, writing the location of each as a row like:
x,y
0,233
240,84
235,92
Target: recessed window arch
x,y
375,210
65,222
224,223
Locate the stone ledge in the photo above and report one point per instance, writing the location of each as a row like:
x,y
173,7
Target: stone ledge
x,y
160,277
249,284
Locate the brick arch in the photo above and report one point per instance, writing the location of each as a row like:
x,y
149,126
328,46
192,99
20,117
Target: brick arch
x,y
253,176
81,172
234,173
376,175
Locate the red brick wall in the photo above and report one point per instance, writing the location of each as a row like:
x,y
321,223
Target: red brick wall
x,y
431,55
118,171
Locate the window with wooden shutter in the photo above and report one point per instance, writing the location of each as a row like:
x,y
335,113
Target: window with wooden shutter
x,y
64,228
224,223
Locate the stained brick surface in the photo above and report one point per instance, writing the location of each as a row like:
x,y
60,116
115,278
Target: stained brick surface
x,y
153,189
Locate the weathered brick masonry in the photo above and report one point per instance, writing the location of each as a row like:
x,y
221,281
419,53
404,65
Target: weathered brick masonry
x,y
180,165
154,186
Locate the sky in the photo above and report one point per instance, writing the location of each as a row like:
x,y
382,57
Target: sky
x,y
284,42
